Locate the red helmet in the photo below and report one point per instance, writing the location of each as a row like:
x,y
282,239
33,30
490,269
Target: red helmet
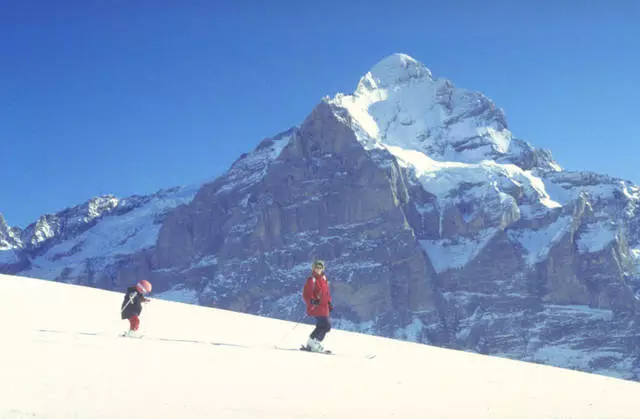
x,y
143,286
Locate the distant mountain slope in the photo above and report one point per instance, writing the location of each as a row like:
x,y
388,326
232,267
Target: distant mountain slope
x,y
91,239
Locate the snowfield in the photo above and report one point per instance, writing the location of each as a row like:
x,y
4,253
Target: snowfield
x,y
63,358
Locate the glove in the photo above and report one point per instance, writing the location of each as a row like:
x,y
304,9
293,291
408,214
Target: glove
x,y
315,302
330,306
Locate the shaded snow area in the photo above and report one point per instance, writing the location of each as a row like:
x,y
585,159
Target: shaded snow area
x,y
567,186
252,167
412,332
113,235
456,252
8,257
635,255
537,243
65,359
595,237
576,357
570,351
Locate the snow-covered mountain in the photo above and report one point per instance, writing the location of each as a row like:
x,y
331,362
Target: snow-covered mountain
x,y
437,223
91,242
398,104
196,362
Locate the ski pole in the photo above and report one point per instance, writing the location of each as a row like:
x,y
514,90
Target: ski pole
x,y
290,330
128,302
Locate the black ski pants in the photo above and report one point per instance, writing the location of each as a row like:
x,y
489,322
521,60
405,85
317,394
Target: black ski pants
x,y
323,325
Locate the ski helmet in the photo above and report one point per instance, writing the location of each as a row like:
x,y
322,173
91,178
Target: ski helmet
x,y
143,286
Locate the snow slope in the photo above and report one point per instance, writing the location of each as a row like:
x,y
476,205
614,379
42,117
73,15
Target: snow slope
x,y
66,360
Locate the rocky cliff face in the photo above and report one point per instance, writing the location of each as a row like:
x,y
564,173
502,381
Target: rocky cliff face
x,y
438,225
321,196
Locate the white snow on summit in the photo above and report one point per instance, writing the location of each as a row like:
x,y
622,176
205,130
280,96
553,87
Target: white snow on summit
x,y
398,103
393,71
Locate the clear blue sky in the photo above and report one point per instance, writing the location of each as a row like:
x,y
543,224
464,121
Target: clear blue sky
x,y
129,97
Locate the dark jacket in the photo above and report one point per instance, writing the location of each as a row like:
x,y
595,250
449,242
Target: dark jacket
x,y
132,303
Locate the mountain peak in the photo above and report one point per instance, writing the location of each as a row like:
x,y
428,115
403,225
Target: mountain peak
x,y
398,103
396,69
9,236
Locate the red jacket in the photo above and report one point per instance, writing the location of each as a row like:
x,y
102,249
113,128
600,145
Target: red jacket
x,y
317,288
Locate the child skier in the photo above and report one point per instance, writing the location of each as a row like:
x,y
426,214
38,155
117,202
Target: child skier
x,y
318,298
132,305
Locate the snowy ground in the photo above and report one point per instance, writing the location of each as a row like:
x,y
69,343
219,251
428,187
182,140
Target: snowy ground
x,y
62,358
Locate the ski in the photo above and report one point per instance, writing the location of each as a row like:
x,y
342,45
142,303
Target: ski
x,y
328,352
306,349
127,335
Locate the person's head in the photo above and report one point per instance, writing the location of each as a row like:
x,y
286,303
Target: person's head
x,y
318,266
143,286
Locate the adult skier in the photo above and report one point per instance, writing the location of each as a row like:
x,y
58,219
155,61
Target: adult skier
x,y
317,296
132,305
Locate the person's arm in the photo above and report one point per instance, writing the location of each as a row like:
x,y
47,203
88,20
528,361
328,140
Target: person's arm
x,y
329,297
139,298
309,293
